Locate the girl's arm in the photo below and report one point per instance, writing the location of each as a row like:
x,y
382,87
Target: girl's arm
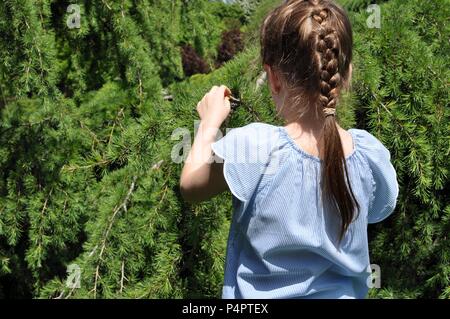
x,y
202,178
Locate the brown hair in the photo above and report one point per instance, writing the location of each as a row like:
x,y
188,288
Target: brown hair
x,y
310,44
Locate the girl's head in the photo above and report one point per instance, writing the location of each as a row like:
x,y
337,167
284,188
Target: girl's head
x,y
306,46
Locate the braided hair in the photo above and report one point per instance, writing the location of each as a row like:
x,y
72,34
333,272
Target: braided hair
x,y
310,43
328,51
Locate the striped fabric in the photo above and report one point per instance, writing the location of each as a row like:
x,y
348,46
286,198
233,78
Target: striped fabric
x,y
282,241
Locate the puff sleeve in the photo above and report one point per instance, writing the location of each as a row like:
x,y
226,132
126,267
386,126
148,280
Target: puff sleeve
x,y
385,186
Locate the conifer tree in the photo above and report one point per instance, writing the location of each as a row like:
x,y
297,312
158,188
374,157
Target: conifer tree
x,y
402,95
73,100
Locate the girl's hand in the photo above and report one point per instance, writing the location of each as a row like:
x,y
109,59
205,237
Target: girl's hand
x,y
215,106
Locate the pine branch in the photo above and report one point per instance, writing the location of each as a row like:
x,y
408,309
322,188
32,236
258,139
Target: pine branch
x,y
91,133
72,168
106,4
122,277
396,120
27,124
120,113
44,208
123,206
402,129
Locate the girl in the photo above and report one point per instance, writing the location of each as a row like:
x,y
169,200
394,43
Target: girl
x,y
303,193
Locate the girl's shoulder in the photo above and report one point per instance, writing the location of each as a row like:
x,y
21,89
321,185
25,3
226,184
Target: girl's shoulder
x,y
257,135
368,145
255,129
252,138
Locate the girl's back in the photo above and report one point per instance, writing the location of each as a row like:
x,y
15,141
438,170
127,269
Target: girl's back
x,y
283,239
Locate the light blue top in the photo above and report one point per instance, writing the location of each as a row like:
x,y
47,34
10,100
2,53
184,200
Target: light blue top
x,y
282,242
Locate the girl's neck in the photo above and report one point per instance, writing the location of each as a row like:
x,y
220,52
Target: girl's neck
x,y
310,125
308,121
300,118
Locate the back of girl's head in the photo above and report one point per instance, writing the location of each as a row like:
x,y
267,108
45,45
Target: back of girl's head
x,y
309,43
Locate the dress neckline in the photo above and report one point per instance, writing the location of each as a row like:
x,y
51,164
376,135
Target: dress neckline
x,y
299,149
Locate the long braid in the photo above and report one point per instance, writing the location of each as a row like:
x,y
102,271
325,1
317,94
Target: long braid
x,y
328,52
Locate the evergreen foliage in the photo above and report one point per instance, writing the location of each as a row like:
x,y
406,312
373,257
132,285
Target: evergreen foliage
x,y
86,143
401,87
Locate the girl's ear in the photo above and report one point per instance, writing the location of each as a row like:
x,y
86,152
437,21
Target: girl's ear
x,y
350,73
274,79
348,81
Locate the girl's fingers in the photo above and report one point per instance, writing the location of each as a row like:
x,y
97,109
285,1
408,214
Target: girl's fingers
x,y
213,89
226,90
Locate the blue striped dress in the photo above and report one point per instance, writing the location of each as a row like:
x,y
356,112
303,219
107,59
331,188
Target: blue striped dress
x,y
283,241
